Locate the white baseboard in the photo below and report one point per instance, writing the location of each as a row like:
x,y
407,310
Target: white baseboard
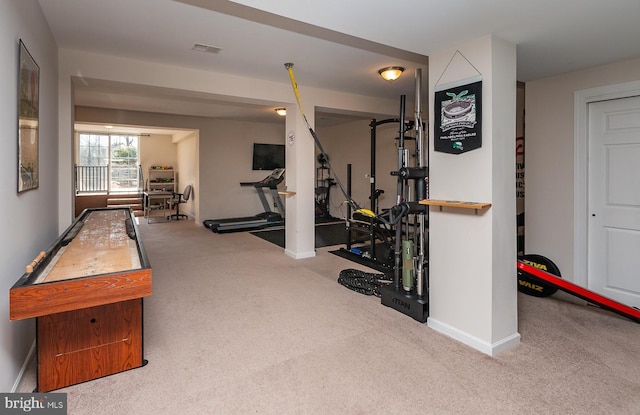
x,y
25,364
300,255
492,349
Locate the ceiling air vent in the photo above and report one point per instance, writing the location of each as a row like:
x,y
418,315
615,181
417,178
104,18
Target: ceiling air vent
x,y
201,47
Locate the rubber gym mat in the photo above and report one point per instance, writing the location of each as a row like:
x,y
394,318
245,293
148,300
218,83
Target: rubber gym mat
x,y
326,235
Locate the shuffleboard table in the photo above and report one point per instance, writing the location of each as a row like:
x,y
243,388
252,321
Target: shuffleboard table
x,y
85,292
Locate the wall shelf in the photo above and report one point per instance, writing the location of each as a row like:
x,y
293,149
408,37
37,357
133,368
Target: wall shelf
x,y
456,204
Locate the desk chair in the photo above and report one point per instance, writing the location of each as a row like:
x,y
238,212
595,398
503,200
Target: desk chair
x,y
177,200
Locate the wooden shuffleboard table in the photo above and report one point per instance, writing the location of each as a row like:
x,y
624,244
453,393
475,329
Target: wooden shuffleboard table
x,y
86,292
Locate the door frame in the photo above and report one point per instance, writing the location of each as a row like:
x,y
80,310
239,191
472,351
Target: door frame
x,y
582,99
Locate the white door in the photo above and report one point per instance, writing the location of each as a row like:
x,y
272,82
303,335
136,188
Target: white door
x,y
614,200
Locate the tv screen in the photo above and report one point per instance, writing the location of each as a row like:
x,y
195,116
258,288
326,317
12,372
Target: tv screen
x,y
268,156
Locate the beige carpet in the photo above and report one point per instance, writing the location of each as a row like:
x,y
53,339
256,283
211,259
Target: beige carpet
x,y
236,327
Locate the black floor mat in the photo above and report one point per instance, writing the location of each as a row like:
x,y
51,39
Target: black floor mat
x,y
327,219
385,267
326,235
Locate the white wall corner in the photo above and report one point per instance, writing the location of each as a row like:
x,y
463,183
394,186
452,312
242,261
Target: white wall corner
x,y
491,349
299,255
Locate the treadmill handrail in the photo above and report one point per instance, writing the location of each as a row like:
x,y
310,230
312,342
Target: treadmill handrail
x,y
271,181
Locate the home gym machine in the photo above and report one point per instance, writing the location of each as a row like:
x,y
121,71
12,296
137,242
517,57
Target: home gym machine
x,y
266,219
408,295
378,253
409,291
402,229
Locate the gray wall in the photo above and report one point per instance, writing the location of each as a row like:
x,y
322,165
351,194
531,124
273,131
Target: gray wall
x,y
29,220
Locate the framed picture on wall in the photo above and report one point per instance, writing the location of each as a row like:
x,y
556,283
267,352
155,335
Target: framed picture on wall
x,y
28,120
458,118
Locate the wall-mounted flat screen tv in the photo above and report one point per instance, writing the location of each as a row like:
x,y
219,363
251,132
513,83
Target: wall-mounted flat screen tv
x,y
268,156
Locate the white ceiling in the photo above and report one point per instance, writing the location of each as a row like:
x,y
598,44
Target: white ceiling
x,y
334,44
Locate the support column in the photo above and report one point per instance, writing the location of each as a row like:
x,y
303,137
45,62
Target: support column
x,y
300,208
472,256
66,192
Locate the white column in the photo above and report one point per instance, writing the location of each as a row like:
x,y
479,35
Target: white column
x,y
472,257
300,178
66,203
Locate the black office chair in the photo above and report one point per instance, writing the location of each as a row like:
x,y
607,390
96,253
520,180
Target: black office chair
x,y
177,200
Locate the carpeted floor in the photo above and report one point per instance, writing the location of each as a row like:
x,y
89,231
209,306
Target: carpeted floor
x,y
234,326
327,234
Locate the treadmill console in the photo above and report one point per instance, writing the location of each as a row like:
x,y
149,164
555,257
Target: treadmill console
x,y
272,180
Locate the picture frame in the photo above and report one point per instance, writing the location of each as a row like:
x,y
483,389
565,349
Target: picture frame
x,y
28,120
458,118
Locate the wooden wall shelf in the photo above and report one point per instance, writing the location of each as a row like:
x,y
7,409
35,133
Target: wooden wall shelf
x,y
456,204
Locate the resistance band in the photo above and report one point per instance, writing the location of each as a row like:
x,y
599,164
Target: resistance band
x,y
350,201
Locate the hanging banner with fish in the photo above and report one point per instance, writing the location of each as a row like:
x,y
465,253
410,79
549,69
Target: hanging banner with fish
x,y
458,119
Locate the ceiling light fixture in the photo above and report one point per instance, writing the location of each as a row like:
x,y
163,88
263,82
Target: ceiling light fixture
x,y
391,73
108,127
201,47
281,111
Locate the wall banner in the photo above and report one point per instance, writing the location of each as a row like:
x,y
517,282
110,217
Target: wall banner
x,y
520,193
458,118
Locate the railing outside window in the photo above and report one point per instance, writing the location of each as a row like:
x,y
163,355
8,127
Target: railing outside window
x,y
92,179
95,179
107,163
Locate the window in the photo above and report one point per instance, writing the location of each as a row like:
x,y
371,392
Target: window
x,y
93,150
107,163
124,163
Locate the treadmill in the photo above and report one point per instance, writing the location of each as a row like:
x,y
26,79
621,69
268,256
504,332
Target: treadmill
x,y
266,219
